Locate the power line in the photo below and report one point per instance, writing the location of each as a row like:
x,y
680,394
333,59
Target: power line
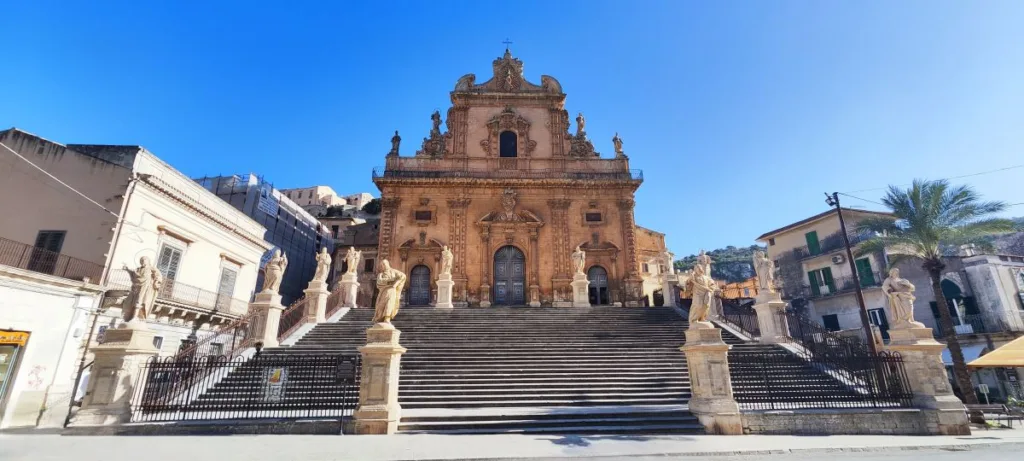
x,y
951,177
863,199
47,173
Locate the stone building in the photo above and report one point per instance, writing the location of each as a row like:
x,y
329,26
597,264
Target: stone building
x,y
315,199
364,237
512,191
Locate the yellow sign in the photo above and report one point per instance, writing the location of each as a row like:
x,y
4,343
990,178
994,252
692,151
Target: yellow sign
x,y
14,337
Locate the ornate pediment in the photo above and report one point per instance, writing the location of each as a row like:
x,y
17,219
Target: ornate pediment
x,y
508,78
508,120
508,213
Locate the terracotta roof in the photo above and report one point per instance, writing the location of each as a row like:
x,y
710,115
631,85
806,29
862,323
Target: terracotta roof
x,y
817,217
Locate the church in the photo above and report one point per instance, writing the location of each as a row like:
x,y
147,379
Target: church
x,y
512,191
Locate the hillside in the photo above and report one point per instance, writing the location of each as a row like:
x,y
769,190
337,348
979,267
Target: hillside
x,y
731,264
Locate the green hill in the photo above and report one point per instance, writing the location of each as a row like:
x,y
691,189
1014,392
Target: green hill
x,y
732,264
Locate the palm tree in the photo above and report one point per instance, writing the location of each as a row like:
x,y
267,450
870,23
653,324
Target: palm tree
x,y
929,216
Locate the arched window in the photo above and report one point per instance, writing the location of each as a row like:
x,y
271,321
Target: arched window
x,y
508,142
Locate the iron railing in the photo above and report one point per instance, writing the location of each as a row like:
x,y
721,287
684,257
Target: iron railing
x,y
334,301
831,243
969,325
292,318
862,381
266,386
742,317
23,256
182,293
818,340
512,171
839,285
229,340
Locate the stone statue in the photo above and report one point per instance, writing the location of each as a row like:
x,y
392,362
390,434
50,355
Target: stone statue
x,y
701,288
352,258
763,268
617,142
436,119
508,80
395,141
581,124
274,272
146,283
390,282
446,260
704,260
901,300
579,259
323,266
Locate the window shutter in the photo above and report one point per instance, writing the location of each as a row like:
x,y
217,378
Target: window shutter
x,y
970,306
812,277
226,287
170,258
935,311
864,271
826,274
813,246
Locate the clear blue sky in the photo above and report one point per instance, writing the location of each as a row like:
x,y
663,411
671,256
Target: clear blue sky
x,y
740,113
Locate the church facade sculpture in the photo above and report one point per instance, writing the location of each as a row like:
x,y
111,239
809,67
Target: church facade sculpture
x,y
390,283
396,140
900,293
146,283
274,272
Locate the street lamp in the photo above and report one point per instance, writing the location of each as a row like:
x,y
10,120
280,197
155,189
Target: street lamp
x,y
833,201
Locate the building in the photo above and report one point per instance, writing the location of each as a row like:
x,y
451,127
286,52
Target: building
x,y
336,224
655,264
512,192
740,290
94,211
289,228
359,200
813,272
364,237
315,200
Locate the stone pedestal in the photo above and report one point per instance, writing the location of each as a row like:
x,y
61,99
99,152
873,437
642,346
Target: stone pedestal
x,y
444,291
116,376
485,295
269,308
770,309
349,286
534,296
379,412
922,360
316,306
711,387
669,290
580,287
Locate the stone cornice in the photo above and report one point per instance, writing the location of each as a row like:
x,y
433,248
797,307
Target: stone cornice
x,y
632,184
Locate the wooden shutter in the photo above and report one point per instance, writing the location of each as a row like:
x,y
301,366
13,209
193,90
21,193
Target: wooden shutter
x,y
226,287
170,259
864,271
826,275
813,246
812,276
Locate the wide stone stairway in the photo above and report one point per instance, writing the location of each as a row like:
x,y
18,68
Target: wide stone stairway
x,y
550,370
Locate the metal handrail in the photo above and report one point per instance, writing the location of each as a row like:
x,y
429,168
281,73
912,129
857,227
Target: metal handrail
x,y
35,259
183,293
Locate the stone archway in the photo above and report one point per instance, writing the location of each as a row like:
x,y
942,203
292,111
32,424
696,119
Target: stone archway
x,y
509,276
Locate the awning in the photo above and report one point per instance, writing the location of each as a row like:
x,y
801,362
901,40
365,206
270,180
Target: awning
x,y
1009,355
971,352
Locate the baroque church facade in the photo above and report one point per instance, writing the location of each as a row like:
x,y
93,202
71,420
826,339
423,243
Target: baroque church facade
x,y
512,192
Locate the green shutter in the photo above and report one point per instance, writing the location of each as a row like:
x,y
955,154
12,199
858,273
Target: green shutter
x,y
826,274
814,283
813,246
935,311
864,271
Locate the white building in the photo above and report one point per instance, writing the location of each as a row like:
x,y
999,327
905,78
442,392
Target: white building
x,y
316,199
93,210
358,200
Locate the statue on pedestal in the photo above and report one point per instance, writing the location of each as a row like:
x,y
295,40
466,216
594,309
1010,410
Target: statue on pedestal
x,y
395,141
274,272
146,283
579,260
390,282
581,124
352,258
900,293
446,260
617,142
323,266
763,268
701,288
435,119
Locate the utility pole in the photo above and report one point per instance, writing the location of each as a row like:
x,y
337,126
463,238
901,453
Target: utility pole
x,y
833,200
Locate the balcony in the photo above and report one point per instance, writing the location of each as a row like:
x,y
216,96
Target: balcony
x,y
830,244
179,294
24,256
507,168
838,286
969,325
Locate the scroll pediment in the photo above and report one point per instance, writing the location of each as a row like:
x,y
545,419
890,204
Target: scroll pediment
x,y
520,216
508,78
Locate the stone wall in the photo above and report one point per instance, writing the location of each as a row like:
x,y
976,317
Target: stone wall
x,y
846,422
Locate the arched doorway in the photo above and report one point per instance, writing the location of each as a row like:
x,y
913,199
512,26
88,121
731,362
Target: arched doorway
x,y
419,286
598,278
509,276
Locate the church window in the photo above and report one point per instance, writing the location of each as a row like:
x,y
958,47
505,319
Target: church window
x,y
593,217
508,142
368,265
423,215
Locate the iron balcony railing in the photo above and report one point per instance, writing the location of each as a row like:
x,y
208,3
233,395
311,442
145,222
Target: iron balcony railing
x,y
969,325
188,295
838,285
830,244
292,318
24,256
508,168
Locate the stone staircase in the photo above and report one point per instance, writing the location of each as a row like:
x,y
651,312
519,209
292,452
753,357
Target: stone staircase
x,y
550,370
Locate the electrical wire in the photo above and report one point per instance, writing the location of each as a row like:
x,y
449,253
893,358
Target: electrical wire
x,y
951,177
47,173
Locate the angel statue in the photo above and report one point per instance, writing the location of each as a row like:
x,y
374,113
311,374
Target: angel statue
x,y
274,272
146,283
900,293
390,282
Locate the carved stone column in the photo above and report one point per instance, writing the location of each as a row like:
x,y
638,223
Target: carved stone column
x,y
458,127
632,282
457,229
379,411
708,364
922,360
485,270
388,215
561,291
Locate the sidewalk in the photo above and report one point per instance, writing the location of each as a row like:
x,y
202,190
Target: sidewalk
x,y
25,447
